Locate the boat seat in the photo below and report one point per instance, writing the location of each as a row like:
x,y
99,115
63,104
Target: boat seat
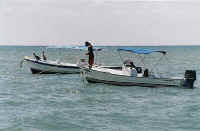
x,y
140,75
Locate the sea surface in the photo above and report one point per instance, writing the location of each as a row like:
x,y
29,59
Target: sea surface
x,y
56,102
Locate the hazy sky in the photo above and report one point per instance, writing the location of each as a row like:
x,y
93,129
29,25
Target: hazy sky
x,y
105,22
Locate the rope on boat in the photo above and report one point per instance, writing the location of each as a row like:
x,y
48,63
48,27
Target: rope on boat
x,y
82,75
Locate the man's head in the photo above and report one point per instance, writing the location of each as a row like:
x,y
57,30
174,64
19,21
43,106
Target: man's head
x,y
87,43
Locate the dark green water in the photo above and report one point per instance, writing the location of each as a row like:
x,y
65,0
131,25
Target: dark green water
x,y
62,103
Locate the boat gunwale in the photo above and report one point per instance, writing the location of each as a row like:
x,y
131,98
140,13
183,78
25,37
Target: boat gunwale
x,y
134,76
48,64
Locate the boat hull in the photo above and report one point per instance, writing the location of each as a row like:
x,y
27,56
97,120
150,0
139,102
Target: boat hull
x,y
45,67
51,67
94,76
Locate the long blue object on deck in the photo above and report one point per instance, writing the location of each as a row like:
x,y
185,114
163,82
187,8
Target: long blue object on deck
x,y
76,47
141,50
86,48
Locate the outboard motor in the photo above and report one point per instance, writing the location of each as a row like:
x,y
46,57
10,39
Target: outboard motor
x,y
190,77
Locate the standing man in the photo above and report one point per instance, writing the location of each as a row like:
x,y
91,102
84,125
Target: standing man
x,y
43,56
90,53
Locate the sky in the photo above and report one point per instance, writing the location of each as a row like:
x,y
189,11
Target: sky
x,y
103,22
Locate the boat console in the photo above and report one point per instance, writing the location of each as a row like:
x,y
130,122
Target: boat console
x,y
129,63
131,70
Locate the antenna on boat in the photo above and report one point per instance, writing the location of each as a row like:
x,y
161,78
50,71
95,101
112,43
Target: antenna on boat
x,y
82,74
96,57
120,56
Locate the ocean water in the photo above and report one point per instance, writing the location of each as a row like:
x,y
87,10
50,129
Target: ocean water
x,y
56,102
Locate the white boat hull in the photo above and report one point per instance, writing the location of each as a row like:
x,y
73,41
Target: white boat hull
x,y
49,67
96,76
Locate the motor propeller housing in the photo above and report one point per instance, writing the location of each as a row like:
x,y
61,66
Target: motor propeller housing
x,y
190,77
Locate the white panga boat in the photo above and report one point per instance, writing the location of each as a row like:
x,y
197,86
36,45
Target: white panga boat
x,y
51,67
130,75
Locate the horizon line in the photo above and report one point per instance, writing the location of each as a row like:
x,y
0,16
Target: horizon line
x,y
106,45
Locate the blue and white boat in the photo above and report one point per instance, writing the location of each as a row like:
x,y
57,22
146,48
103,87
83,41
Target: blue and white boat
x,y
130,75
